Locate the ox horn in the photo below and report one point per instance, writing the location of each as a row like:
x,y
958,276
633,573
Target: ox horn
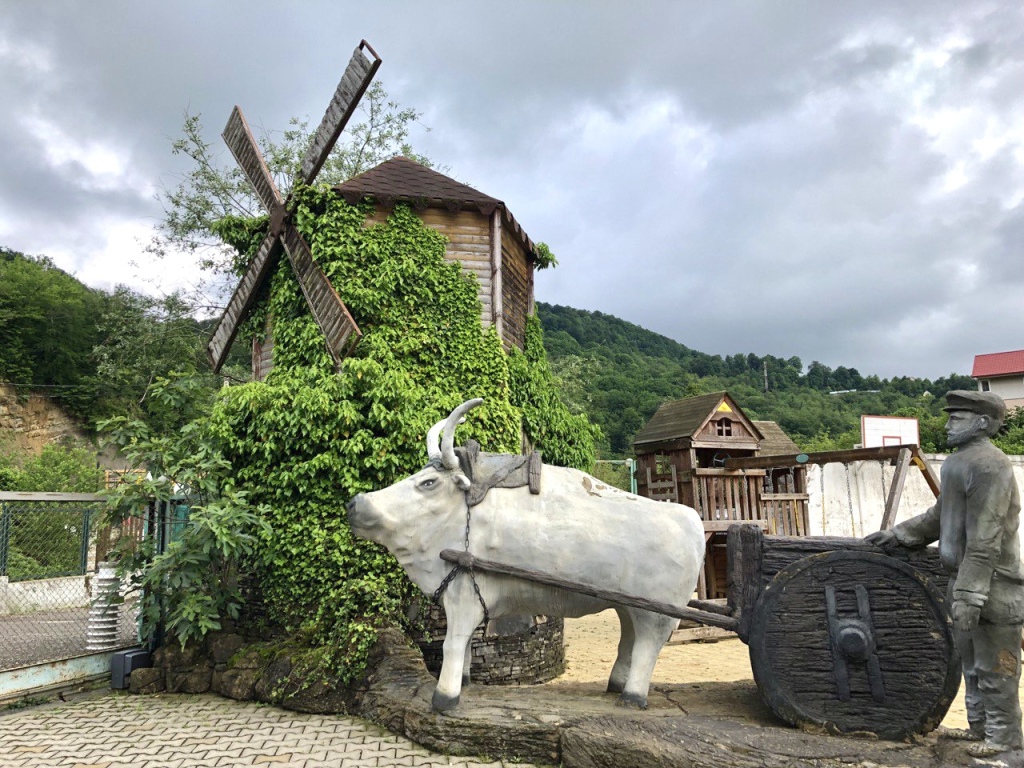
x,y
448,457
433,440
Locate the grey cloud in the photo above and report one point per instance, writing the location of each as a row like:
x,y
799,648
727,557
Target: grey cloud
x,y
788,204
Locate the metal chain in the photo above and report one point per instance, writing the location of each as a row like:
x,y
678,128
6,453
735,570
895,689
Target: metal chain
x,y
456,569
821,482
881,471
849,496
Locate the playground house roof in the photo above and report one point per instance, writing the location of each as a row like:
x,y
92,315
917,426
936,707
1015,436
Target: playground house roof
x,y
776,442
683,419
998,364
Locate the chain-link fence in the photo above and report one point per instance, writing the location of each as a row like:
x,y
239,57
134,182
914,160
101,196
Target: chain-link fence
x,y
58,599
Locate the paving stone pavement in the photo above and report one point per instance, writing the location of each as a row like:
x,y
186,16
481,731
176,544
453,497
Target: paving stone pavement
x,y
118,730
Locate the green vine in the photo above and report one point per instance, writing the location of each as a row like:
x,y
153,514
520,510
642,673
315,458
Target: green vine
x,y
309,438
543,257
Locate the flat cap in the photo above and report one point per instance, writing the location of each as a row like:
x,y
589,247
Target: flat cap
x,y
986,403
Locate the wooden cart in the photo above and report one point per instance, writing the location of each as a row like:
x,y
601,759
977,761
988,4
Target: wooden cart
x,y
843,636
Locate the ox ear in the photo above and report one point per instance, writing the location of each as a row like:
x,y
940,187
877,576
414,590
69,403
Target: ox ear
x,y
462,481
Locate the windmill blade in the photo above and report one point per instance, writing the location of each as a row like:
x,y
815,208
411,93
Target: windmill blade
x,y
243,146
350,90
242,299
328,309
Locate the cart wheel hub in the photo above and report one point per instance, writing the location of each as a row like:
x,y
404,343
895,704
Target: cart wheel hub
x,y
854,641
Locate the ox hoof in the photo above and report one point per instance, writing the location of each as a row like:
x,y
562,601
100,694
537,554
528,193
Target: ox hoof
x,y
465,681
632,701
614,687
442,702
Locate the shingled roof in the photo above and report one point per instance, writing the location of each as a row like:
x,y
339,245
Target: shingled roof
x,y
776,442
403,180
998,364
680,418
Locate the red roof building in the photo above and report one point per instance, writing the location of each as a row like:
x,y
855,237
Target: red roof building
x,y
1003,374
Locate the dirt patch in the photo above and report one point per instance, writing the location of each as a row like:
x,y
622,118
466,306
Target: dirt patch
x,y
27,424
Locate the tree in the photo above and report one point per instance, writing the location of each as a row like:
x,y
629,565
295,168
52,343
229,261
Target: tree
x,y
1011,436
818,375
47,327
193,585
215,189
145,338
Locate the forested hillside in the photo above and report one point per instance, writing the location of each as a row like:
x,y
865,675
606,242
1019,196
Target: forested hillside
x,y
619,373
94,352
97,352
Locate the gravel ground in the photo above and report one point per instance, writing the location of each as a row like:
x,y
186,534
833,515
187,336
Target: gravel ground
x,y
590,644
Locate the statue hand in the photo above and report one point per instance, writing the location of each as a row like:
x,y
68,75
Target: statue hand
x,y
965,616
884,539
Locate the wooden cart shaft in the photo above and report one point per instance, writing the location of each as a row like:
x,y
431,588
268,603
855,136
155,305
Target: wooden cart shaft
x,y
708,613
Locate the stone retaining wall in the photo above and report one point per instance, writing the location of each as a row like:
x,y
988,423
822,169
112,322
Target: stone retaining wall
x,y
505,652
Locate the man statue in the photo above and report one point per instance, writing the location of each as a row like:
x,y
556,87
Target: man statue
x,y
975,521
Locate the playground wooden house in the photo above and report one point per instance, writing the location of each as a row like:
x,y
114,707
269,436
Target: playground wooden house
x,y
681,455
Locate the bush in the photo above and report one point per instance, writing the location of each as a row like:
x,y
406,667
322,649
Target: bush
x,y
64,468
193,586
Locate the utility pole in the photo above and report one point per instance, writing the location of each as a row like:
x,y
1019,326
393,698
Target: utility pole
x,y
765,375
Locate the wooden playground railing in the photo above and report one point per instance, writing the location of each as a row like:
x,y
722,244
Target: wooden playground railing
x,y
786,513
725,497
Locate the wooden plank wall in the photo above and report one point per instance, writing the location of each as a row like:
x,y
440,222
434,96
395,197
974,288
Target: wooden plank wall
x,y
516,289
469,243
786,513
726,496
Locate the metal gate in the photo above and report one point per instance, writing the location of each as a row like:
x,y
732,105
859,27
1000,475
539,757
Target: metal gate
x,y
62,615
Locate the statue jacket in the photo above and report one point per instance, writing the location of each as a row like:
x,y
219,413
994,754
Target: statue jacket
x,y
975,521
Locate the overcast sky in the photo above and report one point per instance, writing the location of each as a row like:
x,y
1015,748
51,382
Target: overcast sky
x,y
838,181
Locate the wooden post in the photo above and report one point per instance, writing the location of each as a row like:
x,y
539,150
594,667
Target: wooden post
x,y
497,310
892,503
744,545
926,469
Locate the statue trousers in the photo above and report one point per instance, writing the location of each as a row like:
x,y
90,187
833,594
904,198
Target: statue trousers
x,y
991,663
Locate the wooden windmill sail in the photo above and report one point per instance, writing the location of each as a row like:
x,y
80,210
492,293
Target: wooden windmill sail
x,y
329,311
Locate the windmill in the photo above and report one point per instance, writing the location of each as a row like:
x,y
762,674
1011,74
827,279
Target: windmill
x,y
329,311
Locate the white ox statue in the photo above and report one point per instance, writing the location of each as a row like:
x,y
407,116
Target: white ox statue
x,y
576,528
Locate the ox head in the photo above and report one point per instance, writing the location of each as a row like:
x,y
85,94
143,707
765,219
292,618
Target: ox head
x,y
411,516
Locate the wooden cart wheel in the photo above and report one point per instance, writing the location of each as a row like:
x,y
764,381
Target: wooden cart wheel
x,y
854,641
